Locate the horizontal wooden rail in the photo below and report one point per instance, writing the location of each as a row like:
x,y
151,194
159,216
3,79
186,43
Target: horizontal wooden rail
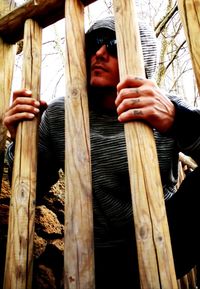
x,y
42,11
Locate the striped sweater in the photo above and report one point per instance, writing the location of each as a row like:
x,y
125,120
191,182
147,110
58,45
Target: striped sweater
x,y
110,177
111,190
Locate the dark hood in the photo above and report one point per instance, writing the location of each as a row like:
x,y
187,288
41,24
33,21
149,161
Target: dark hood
x,y
148,41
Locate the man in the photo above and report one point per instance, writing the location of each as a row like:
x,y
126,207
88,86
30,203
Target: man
x,y
111,104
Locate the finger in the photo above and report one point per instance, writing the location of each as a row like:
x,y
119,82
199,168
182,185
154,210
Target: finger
x,y
142,91
133,103
43,106
43,103
22,93
18,108
135,81
24,101
132,114
12,120
130,81
126,93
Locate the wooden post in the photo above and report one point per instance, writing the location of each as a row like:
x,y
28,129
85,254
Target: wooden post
x,y
156,265
19,255
190,15
79,261
7,56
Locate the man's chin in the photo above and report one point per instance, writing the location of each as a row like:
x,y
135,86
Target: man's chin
x,y
98,82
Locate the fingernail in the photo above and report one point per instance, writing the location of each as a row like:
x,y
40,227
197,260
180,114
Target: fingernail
x,y
31,115
37,103
36,110
28,91
139,78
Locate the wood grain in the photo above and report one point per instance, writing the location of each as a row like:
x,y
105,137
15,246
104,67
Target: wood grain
x,y
190,16
43,11
152,235
19,255
79,251
7,57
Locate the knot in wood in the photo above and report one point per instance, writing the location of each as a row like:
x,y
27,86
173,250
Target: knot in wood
x,y
71,279
160,239
143,232
117,9
23,189
75,92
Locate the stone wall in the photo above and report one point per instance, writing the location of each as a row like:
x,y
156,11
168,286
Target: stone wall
x,y
48,238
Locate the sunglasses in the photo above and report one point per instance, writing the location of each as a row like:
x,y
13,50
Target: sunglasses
x,y
96,43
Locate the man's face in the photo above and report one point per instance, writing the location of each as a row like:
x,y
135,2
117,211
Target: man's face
x,y
102,57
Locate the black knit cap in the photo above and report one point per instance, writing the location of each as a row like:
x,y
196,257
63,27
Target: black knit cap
x,y
148,41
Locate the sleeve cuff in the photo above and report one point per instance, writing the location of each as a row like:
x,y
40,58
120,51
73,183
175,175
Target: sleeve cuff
x,y
185,124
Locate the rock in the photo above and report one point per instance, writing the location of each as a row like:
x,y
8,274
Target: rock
x,y
47,223
48,238
4,213
44,278
39,246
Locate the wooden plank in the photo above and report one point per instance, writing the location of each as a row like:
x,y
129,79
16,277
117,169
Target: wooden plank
x,y
190,16
42,11
19,255
192,279
152,234
79,260
184,284
7,57
6,6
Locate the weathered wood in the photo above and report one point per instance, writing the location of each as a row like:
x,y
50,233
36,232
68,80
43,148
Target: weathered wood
x,y
184,284
192,279
79,260
19,255
190,15
6,6
186,160
7,56
42,11
152,234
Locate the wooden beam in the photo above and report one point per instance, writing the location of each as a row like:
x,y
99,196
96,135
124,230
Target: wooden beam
x,y
19,253
42,11
79,247
7,56
155,258
190,16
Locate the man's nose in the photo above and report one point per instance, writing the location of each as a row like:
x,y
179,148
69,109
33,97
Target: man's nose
x,y
102,51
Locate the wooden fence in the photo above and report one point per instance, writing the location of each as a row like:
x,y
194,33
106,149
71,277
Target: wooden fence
x,y
156,266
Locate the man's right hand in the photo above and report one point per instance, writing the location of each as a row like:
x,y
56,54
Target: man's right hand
x,y
24,107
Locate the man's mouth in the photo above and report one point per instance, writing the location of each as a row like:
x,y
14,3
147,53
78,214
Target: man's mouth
x,y
99,67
